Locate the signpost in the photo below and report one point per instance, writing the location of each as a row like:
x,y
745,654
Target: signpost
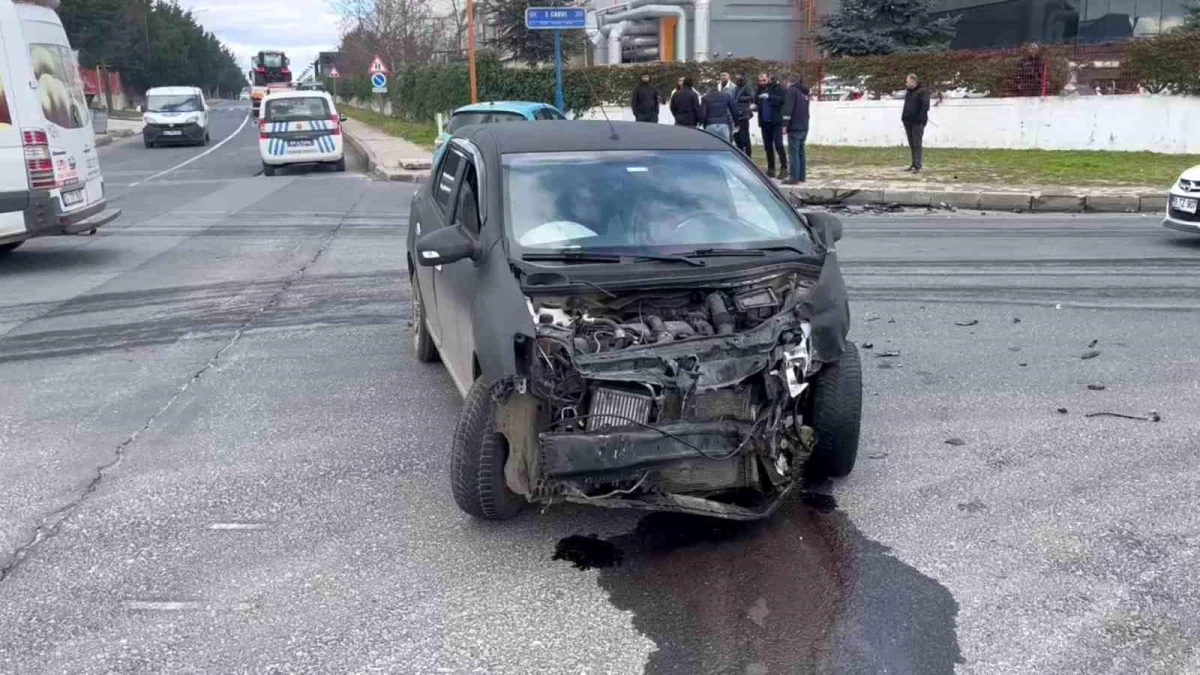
x,y
335,76
378,73
556,19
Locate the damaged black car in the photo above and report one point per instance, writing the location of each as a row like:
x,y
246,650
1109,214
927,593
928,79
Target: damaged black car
x,y
635,318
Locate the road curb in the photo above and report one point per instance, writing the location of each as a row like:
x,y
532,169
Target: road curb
x,y
1034,201
377,170
111,137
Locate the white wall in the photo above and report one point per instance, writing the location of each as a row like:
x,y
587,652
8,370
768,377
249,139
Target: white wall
x,y
1168,124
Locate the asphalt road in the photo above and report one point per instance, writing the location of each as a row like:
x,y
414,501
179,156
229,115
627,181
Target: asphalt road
x,y
219,456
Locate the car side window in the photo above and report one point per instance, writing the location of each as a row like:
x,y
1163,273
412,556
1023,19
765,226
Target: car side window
x,y
443,190
548,114
466,214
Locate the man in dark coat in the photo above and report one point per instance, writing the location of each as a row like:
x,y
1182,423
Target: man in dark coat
x,y
719,112
685,106
744,104
645,101
914,117
770,98
795,125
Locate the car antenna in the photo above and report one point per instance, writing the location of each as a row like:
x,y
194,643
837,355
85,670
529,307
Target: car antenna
x,y
613,136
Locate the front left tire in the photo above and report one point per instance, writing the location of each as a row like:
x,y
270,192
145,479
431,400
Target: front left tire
x,y
477,458
422,341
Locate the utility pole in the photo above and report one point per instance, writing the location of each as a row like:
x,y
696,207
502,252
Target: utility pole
x,y
471,50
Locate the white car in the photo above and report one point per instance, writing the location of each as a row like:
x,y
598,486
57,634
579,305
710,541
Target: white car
x,y
245,95
175,115
300,127
1183,203
50,181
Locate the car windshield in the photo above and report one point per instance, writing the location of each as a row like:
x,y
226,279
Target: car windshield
x,y
290,109
172,103
642,201
467,118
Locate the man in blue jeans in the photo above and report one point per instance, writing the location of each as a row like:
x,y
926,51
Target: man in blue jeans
x,y
795,125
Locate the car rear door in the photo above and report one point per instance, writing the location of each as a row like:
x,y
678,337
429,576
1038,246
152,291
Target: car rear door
x,y
14,183
433,210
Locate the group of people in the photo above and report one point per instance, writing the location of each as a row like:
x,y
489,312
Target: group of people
x,y
727,107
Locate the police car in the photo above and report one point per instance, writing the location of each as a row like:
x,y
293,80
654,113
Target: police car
x,y
300,127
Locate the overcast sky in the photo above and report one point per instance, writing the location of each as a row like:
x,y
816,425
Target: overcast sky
x,y
300,28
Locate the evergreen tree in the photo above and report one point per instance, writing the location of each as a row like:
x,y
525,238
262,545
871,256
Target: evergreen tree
x,y
871,27
531,46
1191,16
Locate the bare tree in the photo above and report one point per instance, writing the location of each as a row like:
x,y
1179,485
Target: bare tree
x,y
397,30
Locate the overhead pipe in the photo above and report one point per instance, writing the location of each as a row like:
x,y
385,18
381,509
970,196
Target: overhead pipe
x,y
652,11
615,32
597,38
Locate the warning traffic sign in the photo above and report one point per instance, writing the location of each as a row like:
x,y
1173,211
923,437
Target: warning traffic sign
x,y
333,73
377,66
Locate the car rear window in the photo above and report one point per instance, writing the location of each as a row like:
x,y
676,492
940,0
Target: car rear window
x,y
463,119
289,109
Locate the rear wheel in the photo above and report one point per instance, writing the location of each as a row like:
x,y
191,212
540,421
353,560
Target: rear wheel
x,y
836,414
268,170
477,458
9,248
148,143
340,165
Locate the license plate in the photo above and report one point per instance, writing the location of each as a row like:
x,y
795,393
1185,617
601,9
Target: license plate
x,y
172,133
1185,204
300,144
72,198
95,191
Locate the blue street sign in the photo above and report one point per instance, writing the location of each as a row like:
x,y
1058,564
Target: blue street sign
x,y
551,18
379,83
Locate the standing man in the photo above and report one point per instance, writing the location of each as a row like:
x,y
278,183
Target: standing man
x,y
743,101
719,112
914,117
770,104
685,105
645,101
795,125
728,87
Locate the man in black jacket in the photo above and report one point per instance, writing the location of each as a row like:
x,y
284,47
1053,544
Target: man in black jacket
x,y
914,117
719,112
743,100
645,101
770,104
795,125
685,105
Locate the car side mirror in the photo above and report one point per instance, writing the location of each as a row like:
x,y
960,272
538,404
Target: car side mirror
x,y
826,226
444,245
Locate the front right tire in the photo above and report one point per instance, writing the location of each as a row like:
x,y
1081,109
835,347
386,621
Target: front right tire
x,y
477,457
836,414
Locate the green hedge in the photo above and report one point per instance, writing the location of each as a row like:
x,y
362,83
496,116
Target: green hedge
x,y
420,91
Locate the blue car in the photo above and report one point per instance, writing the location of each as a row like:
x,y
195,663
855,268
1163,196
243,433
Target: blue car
x,y
492,112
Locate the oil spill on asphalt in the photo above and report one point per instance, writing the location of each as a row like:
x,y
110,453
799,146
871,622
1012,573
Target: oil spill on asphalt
x,y
801,592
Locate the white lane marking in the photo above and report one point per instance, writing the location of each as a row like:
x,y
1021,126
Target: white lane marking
x,y
164,605
238,526
186,162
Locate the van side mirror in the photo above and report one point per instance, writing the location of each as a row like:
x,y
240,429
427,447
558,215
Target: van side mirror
x,y
444,245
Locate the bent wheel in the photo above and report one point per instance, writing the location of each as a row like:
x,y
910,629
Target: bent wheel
x,y
422,341
477,457
836,414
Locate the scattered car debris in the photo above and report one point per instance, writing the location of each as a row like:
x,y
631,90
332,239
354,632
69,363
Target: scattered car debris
x,y
1090,354
1016,319
973,506
1014,349
868,345
972,322
878,455
1062,411
1022,364
891,353
587,552
891,321
871,317
1093,343
1096,387
887,365
955,441
1151,416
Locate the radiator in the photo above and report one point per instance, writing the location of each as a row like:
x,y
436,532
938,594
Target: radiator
x,y
616,407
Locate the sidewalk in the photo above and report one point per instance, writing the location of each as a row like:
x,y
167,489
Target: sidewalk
x,y
984,197
388,157
118,129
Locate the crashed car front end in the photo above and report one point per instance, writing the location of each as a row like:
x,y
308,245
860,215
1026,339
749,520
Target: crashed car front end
x,y
694,400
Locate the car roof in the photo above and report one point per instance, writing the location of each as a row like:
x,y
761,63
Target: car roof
x,y
522,107
299,93
507,138
172,90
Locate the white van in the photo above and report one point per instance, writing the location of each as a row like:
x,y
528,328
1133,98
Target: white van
x,y
50,180
175,115
300,127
